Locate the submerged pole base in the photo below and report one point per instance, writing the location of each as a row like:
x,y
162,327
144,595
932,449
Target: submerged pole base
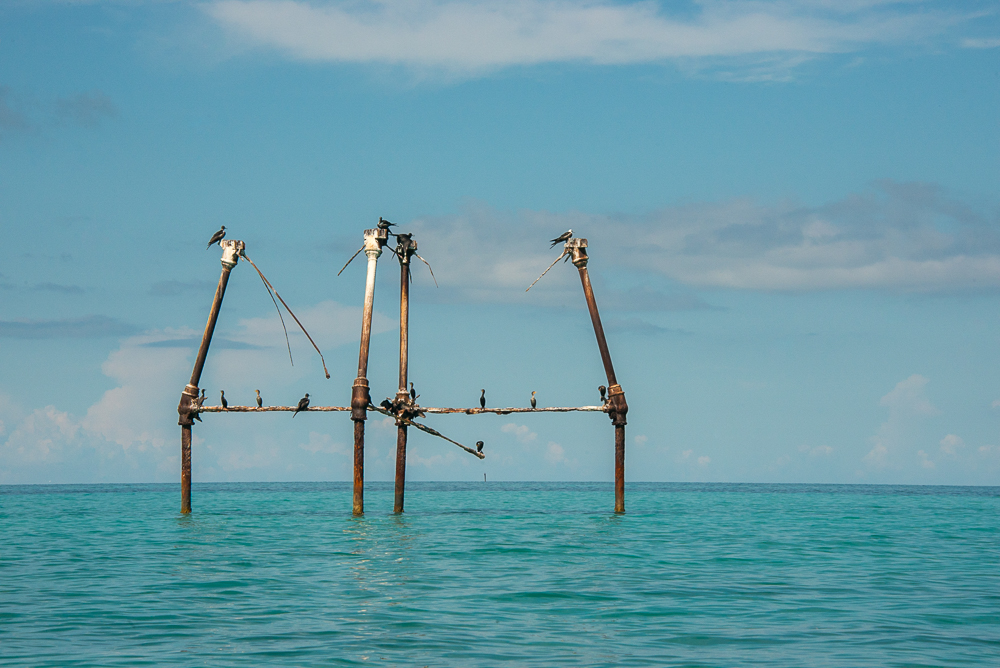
x,y
619,468
185,469
359,468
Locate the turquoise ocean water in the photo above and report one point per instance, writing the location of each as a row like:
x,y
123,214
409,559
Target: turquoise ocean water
x,y
500,573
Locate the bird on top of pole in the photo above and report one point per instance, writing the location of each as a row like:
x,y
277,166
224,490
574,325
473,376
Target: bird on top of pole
x,y
565,236
384,224
217,237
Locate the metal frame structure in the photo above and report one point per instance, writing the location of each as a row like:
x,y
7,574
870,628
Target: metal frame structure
x,y
403,408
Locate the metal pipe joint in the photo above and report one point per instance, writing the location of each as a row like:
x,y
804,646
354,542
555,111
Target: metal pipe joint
x,y
231,251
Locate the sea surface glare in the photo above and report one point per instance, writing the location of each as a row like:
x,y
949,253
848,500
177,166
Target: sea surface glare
x,y
484,574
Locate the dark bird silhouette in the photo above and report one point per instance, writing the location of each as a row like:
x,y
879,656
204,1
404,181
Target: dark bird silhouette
x,y
533,403
303,405
482,399
479,446
260,402
201,399
384,224
196,417
413,393
225,404
217,237
602,390
565,236
386,404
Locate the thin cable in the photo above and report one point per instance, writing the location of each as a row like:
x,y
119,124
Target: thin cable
x,y
565,251
268,284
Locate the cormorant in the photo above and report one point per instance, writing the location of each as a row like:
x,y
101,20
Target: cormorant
x,y
386,404
533,404
602,390
413,393
482,399
216,238
260,402
303,405
565,236
225,404
479,446
384,224
201,399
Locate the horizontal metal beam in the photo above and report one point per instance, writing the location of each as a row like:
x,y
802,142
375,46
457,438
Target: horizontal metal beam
x,y
440,411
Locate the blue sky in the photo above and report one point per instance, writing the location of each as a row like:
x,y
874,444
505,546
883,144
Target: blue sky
x,y
792,211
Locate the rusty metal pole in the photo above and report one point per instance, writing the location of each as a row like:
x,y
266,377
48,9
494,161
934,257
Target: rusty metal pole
x,y
360,396
405,250
188,405
617,408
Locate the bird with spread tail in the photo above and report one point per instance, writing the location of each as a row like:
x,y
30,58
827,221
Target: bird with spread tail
x,y
565,236
482,399
303,405
479,446
534,404
217,237
225,404
260,402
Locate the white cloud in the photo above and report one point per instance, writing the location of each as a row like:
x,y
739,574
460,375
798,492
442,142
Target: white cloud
x,y
982,43
704,461
907,405
520,432
925,461
473,37
818,451
951,444
555,454
640,439
996,403
898,237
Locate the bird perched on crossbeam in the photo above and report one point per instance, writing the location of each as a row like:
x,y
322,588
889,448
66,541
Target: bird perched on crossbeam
x,y
217,237
303,405
413,392
534,404
482,399
384,224
225,404
479,446
565,236
260,402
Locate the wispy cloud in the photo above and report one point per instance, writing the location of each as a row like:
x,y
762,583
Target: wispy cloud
x,y
476,36
87,327
908,405
982,43
87,109
894,236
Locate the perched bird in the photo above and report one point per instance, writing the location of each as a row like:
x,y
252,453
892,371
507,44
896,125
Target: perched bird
x,y
303,405
386,404
201,399
225,404
602,390
534,404
413,393
217,237
565,236
260,402
482,399
384,224
196,417
479,446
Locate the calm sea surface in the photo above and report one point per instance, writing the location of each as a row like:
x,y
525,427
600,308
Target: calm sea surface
x,y
493,573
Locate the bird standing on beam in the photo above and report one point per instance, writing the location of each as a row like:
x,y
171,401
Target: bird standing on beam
x,y
303,405
225,404
413,393
482,399
479,447
565,236
534,404
217,237
384,224
260,402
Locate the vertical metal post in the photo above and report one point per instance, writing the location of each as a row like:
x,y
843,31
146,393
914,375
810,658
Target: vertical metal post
x,y
360,396
405,250
188,405
617,407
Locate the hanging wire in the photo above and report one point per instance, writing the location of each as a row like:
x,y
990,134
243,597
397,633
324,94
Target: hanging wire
x,y
429,267
271,289
565,252
349,261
